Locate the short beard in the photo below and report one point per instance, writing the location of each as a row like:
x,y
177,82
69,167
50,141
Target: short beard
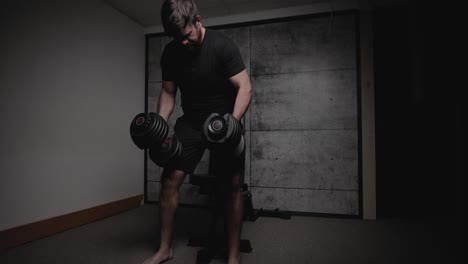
x,y
195,47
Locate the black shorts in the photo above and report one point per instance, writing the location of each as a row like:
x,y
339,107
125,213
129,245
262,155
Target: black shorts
x,y
193,148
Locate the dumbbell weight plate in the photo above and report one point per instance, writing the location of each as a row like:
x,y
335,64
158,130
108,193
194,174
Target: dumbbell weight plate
x,y
138,127
233,134
214,129
148,129
166,153
140,130
161,129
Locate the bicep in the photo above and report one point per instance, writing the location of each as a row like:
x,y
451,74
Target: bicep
x,y
240,80
168,88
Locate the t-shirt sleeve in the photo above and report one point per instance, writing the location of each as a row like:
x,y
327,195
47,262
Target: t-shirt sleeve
x,y
167,68
232,59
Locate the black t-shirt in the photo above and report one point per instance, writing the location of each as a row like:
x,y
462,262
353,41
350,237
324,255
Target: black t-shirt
x,y
203,75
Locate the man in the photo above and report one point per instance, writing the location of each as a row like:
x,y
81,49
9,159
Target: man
x,y
209,71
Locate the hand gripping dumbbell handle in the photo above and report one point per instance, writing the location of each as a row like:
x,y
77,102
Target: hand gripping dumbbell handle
x,y
229,137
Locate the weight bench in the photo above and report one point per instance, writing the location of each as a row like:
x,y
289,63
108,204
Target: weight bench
x,y
214,245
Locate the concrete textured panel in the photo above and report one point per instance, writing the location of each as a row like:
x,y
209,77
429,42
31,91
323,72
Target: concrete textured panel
x,y
309,100
303,200
247,117
247,137
154,89
155,48
314,159
154,56
319,43
153,96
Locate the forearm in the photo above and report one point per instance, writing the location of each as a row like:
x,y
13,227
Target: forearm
x,y
244,94
243,98
166,100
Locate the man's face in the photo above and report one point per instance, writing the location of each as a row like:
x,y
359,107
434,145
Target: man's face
x,y
191,36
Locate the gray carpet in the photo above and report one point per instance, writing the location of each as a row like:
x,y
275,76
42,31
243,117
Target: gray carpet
x,y
131,237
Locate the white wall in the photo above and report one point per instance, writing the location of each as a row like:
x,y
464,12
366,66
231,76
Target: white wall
x,y
71,80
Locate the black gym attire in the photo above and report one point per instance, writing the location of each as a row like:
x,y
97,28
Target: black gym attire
x,y
203,79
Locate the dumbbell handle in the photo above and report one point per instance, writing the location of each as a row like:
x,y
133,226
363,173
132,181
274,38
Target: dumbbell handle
x,y
166,153
223,132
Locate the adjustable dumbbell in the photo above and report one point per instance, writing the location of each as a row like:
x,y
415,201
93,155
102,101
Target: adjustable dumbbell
x,y
150,131
224,133
166,153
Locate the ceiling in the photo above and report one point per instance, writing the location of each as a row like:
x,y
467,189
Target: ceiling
x,y
146,12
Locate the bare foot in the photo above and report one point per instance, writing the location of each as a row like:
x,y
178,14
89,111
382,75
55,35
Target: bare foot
x,y
160,257
234,260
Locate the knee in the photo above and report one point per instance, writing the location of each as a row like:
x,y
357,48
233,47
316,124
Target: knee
x,y
168,188
236,191
237,183
236,188
171,181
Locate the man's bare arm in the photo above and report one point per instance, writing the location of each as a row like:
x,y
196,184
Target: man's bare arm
x,y
241,82
166,101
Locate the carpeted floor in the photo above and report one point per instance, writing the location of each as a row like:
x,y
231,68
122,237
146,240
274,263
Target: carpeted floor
x,y
131,237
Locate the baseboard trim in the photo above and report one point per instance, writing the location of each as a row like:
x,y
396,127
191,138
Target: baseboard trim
x,y
26,233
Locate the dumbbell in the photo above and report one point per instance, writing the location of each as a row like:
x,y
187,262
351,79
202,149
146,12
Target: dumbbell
x,y
166,153
150,131
224,133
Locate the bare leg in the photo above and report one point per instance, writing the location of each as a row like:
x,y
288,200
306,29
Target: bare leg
x,y
234,218
168,202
